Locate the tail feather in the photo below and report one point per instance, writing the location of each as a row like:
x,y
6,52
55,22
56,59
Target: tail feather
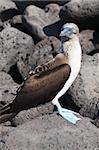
x,y
5,106
5,109
6,117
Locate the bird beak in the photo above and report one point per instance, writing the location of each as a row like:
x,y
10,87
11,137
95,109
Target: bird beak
x,y
66,32
62,33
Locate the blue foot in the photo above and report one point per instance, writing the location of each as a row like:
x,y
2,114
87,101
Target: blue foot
x,y
67,114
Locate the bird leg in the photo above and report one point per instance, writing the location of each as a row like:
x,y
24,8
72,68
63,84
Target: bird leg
x,y
65,113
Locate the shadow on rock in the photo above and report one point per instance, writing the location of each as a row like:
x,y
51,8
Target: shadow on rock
x,y
53,29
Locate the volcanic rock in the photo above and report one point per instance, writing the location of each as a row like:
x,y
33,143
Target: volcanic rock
x,y
51,132
22,4
82,12
8,88
85,90
32,113
40,23
7,9
15,46
89,40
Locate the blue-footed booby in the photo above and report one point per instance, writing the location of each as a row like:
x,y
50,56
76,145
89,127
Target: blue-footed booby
x,y
72,49
51,80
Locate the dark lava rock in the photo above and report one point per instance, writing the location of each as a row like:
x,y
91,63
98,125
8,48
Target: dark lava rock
x,y
40,23
41,52
96,122
50,132
89,40
7,4
15,46
18,55
16,20
83,12
85,90
30,114
22,4
52,10
1,25
44,51
7,9
8,88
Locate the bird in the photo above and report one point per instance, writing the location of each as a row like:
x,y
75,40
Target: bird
x,y
51,80
72,49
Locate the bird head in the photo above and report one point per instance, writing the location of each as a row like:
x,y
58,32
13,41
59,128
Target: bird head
x,y
69,31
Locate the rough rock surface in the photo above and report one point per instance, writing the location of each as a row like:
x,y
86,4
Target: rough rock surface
x,y
8,88
7,9
96,122
15,46
7,4
82,12
44,51
1,25
22,4
52,10
41,52
41,23
30,114
85,90
18,52
16,20
89,40
51,132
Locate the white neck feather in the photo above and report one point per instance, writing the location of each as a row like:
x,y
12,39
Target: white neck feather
x,y
73,50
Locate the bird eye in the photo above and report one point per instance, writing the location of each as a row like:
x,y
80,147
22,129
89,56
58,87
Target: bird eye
x,y
74,31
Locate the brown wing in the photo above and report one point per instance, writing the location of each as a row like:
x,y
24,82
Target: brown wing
x,y
40,89
59,60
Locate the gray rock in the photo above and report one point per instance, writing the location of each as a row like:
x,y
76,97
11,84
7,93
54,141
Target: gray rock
x,y
30,114
96,122
52,11
1,25
82,12
22,4
7,4
42,23
18,53
41,52
89,40
16,20
44,51
8,88
15,47
85,90
7,9
50,132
